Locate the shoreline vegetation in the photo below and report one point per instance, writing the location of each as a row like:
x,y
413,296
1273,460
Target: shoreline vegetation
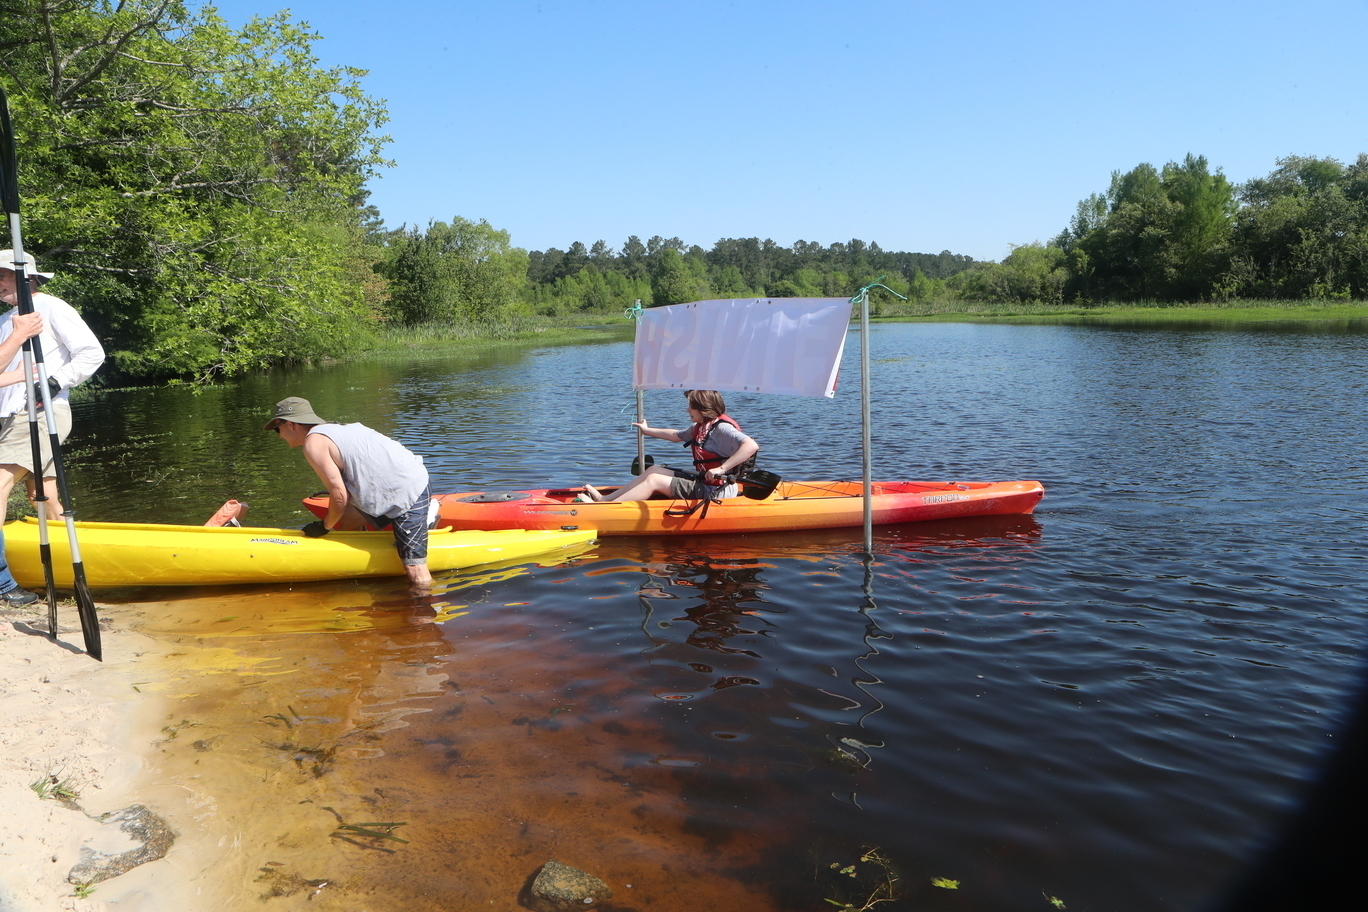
x,y
405,340
1233,312
436,340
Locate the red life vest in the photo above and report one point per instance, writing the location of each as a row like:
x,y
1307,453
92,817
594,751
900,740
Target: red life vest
x,y
704,458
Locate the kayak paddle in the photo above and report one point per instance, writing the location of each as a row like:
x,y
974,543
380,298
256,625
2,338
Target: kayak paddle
x,y
33,359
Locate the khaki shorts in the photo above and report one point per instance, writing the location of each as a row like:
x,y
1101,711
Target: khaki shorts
x,y
15,448
684,486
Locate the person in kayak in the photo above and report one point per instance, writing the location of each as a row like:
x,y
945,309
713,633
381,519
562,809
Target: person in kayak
x,y
71,354
719,447
370,479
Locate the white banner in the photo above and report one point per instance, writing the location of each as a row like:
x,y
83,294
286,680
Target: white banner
x,y
790,346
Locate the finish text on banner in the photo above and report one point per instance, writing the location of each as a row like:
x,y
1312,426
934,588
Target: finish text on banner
x,y
790,346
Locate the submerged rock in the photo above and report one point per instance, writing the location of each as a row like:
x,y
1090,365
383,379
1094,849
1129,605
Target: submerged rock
x,y
150,835
561,888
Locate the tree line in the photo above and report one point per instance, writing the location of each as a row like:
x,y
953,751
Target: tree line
x,y
201,193
465,270
1184,233
665,271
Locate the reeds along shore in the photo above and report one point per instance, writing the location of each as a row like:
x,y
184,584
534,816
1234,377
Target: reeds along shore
x,y
399,340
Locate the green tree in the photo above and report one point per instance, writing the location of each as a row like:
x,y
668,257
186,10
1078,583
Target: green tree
x,y
1159,235
1303,231
1125,250
457,272
634,258
575,259
922,289
1198,246
666,270
804,283
677,279
199,189
729,283
1031,274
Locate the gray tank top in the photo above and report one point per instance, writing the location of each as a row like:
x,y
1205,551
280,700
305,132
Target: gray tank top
x,y
383,477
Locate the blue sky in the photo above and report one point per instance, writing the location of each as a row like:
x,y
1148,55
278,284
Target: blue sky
x,y
963,126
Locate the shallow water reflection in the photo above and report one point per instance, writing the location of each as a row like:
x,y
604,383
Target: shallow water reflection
x,y
654,712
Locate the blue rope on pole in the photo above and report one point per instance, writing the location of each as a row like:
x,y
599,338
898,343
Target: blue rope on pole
x,y
863,294
634,312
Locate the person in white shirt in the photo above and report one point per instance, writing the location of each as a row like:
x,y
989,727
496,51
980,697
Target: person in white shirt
x,y
71,354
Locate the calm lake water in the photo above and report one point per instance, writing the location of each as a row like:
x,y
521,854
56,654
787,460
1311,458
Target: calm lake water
x,y
1111,702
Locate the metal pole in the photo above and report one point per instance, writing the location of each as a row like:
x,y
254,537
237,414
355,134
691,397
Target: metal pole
x,y
864,426
634,313
641,438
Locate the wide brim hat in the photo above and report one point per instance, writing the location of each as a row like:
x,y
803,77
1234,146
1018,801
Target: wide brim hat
x,y
293,409
31,269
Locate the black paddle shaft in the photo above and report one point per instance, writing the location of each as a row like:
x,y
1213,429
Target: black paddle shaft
x,y
33,358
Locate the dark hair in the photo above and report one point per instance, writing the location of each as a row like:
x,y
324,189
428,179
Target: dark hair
x,y
709,402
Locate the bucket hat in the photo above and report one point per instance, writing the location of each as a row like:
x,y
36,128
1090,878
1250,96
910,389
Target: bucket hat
x,y
293,409
30,264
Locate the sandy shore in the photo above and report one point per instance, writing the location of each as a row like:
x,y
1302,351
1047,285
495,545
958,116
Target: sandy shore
x,y
90,726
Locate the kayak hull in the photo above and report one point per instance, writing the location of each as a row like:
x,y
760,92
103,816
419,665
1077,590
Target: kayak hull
x,y
793,506
139,554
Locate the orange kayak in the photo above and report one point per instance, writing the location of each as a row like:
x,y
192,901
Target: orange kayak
x,y
794,505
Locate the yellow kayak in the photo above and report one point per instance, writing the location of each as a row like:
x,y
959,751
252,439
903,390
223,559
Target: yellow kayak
x,y
140,554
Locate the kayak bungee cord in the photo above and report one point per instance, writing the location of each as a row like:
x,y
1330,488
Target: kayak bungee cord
x,y
33,360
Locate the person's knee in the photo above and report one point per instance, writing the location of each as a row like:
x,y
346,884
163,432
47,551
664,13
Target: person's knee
x,y
8,476
49,487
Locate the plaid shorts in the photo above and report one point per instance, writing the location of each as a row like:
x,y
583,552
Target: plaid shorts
x,y
410,529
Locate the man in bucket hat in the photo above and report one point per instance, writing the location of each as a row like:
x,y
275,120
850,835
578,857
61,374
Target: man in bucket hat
x,y
71,354
370,479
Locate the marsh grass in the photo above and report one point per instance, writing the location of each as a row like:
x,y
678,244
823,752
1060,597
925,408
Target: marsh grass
x,y
400,341
368,831
876,883
404,341
49,786
318,754
286,883
371,835
1232,312
282,718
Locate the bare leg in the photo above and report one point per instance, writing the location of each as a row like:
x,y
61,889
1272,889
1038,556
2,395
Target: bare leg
x,y
419,576
351,521
655,480
9,474
54,506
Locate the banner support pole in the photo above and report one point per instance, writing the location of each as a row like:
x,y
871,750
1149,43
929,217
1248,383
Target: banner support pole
x,y
634,313
862,298
867,454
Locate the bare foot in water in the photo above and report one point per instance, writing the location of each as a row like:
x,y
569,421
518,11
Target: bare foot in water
x,y
593,493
